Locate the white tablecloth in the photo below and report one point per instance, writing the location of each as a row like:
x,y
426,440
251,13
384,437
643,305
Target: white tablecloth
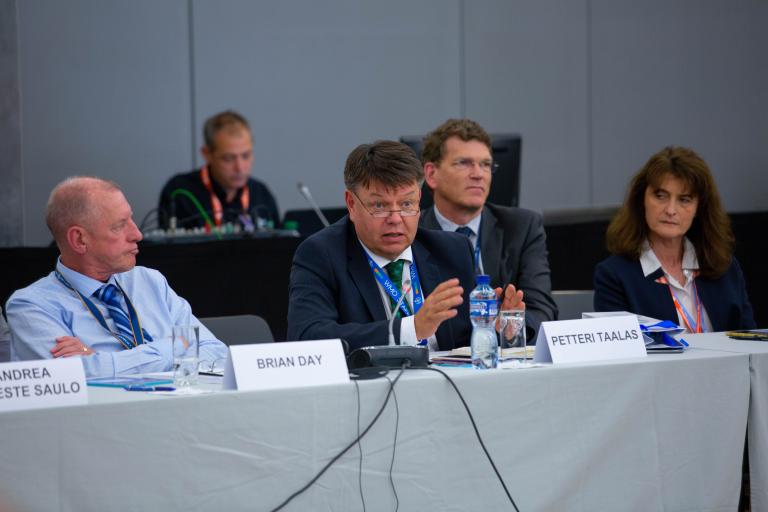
x,y
662,433
758,407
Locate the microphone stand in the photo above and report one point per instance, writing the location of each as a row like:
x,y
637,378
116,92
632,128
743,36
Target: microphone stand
x,y
304,190
391,338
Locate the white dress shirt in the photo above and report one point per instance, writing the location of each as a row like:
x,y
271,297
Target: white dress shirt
x,y
474,225
47,309
685,291
407,326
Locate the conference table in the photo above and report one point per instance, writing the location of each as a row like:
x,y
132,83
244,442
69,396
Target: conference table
x,y
664,432
757,431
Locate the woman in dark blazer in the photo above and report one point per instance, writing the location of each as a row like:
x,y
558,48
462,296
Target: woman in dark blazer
x,y
672,249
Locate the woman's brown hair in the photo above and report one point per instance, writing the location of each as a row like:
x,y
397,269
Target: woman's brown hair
x,y
710,231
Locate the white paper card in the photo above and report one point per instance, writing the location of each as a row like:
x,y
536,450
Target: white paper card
x,y
645,320
42,383
285,365
595,339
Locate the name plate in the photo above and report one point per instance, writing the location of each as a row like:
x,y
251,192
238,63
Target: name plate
x,y
594,339
285,365
43,383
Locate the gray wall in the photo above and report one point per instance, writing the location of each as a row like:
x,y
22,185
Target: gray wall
x,y
11,182
120,89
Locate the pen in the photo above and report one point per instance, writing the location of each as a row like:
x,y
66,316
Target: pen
x,y
149,388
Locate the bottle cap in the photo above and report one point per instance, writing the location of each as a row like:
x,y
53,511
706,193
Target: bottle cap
x,y
482,279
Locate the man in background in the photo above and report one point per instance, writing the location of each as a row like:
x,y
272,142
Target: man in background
x,y
222,191
97,304
508,243
346,279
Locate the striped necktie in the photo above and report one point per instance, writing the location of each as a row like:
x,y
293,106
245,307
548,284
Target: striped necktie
x,y
110,296
395,272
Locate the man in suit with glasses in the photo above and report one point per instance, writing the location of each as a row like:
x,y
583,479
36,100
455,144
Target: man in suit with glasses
x,y
509,244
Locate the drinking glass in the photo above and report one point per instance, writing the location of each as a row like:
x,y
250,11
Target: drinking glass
x,y
186,355
512,331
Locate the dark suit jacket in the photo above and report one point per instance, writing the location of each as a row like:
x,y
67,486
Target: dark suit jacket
x,y
621,286
513,248
333,293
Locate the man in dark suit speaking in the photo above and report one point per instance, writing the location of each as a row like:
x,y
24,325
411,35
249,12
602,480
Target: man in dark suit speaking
x,y
509,244
346,279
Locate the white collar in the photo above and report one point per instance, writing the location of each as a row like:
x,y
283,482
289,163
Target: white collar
x,y
449,225
381,261
650,263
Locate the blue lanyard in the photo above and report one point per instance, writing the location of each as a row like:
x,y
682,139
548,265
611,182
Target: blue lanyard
x,y
140,335
392,290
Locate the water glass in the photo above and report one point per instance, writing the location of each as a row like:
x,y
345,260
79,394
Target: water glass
x,y
512,331
186,355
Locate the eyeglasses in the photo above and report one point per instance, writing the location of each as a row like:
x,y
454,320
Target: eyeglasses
x,y
467,164
408,208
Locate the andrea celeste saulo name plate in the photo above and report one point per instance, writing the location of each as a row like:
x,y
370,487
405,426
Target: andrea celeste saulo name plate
x,y
285,365
595,339
43,383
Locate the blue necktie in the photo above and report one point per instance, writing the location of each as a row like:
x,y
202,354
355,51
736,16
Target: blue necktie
x,y
110,295
467,231
464,230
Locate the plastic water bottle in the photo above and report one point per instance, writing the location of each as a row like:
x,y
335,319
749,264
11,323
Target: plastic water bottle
x,y
483,309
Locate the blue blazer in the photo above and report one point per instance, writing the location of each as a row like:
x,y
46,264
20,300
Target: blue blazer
x,y
621,286
333,293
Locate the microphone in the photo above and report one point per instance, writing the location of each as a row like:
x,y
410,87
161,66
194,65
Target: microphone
x,y
391,334
204,215
393,356
146,218
184,222
304,190
172,216
260,222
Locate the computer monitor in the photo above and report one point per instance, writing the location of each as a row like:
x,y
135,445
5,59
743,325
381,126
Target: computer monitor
x,y
505,187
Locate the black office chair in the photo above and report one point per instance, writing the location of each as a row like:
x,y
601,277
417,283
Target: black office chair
x,y
572,303
5,339
239,329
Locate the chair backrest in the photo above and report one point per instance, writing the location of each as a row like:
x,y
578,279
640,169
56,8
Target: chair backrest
x,y
308,221
239,329
572,303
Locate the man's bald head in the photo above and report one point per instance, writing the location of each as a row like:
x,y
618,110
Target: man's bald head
x,y
71,203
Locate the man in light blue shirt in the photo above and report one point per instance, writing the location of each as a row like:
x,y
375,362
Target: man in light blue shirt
x,y
67,313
